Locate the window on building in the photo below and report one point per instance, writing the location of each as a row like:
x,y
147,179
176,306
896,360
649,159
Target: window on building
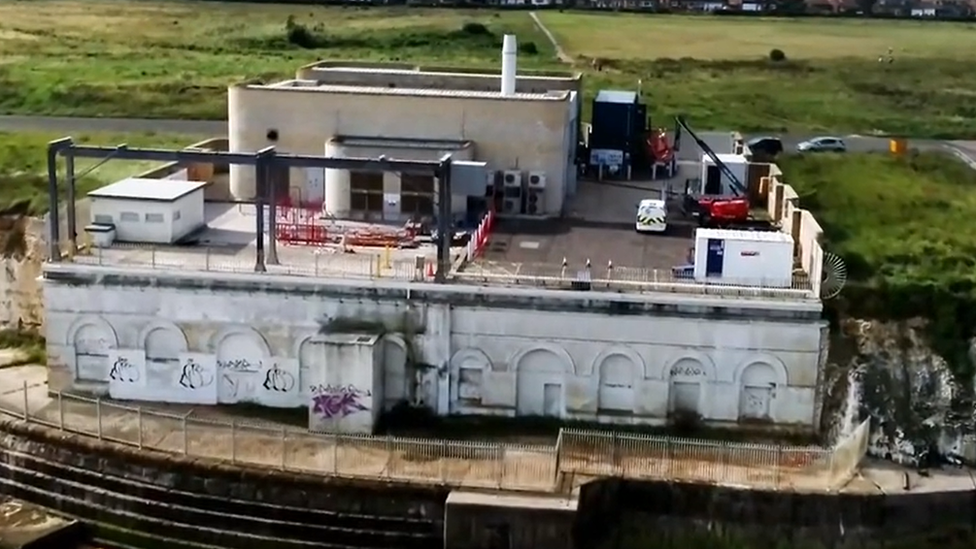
x,y
103,219
416,194
155,218
131,217
176,215
366,191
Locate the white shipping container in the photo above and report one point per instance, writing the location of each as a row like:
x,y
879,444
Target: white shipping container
x,y
744,258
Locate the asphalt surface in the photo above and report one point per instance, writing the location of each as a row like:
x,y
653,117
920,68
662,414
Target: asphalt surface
x,y
719,141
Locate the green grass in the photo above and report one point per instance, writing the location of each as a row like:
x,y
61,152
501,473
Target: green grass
x,y
23,165
716,70
31,345
904,226
176,59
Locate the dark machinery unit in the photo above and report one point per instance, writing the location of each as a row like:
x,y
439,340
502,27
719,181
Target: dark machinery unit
x,y
619,123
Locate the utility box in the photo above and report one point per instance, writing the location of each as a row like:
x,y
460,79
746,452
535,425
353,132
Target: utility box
x,y
717,183
157,211
744,258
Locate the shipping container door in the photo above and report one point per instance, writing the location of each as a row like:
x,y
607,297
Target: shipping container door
x,y
715,259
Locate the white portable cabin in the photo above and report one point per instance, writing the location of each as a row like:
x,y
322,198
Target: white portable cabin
x,y
716,182
744,258
158,211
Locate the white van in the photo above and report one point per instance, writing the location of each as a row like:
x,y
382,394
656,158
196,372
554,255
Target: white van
x,y
652,216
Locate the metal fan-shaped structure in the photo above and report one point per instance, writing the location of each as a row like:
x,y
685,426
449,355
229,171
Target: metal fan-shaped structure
x,y
834,276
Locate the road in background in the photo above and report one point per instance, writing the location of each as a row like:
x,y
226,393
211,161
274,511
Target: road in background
x,y
719,141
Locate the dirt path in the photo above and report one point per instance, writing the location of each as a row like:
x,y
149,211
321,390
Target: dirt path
x,y
560,53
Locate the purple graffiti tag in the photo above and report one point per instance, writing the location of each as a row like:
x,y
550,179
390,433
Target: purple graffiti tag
x,y
336,401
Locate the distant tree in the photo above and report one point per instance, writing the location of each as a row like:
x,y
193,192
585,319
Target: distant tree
x,y
867,6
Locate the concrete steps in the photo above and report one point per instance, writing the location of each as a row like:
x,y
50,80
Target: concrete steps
x,y
134,513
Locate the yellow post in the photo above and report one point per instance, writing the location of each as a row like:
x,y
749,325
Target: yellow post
x,y
897,146
388,257
379,266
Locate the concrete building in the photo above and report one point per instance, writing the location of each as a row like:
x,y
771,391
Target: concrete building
x,y
409,113
149,210
577,318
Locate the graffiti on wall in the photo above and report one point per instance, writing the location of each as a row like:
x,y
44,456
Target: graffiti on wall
x,y
339,401
238,379
267,381
126,374
193,376
124,371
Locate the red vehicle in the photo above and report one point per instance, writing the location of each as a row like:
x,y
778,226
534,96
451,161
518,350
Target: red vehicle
x,y
716,209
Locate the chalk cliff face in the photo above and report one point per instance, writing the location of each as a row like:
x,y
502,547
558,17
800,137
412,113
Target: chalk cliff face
x,y
21,255
887,371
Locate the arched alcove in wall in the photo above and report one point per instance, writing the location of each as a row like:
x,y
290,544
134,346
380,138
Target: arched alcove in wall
x,y
468,367
92,338
757,391
397,376
688,377
240,359
540,385
163,342
618,371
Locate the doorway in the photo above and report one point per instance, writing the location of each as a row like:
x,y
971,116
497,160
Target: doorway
x,y
552,399
715,258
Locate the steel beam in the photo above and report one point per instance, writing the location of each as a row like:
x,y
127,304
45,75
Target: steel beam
x,y
291,160
263,161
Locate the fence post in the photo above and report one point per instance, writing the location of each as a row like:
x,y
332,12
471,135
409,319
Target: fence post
x,y
335,454
139,425
233,440
389,450
152,256
26,402
284,449
559,457
501,464
779,464
185,445
98,415
615,454
60,411
443,461
207,259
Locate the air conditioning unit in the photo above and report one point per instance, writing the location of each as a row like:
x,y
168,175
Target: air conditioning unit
x,y
512,206
512,178
537,180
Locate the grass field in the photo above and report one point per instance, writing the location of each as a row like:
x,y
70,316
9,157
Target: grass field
x,y
23,165
716,70
175,59
904,228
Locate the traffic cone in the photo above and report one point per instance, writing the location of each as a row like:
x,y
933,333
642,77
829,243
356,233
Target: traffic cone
x,y
429,273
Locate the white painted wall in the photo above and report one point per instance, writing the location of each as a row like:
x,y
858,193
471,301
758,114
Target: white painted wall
x,y
190,217
476,359
129,217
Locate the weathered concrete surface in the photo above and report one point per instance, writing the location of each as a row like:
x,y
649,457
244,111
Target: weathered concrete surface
x,y
166,496
617,513
474,520
27,526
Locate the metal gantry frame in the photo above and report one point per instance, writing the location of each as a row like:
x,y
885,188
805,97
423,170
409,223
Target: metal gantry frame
x,y
263,161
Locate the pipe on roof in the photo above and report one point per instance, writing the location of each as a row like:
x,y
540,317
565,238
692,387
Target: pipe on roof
x,y
509,60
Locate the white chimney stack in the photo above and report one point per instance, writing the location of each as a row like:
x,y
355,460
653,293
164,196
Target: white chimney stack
x,y
509,54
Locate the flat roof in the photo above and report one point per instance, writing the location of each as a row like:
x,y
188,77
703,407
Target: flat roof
x,y
316,86
750,236
155,190
616,96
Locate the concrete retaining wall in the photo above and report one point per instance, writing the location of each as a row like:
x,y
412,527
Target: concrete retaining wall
x,y
616,513
146,499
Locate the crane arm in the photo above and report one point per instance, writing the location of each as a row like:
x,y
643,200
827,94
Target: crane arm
x,y
681,125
